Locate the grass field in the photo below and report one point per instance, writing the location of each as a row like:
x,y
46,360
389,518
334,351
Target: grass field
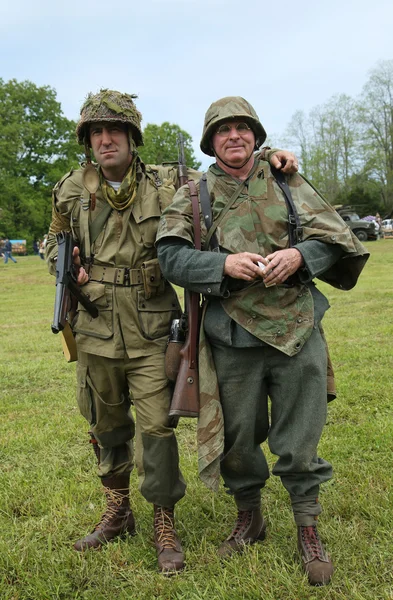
x,y
49,494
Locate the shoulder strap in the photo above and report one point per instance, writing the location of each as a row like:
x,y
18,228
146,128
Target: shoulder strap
x,y
224,211
91,229
97,225
206,206
295,229
195,213
85,225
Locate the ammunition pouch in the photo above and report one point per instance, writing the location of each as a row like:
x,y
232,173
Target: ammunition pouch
x,y
152,279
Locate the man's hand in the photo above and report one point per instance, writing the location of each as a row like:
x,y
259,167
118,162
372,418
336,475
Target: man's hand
x,y
243,265
285,161
282,264
82,276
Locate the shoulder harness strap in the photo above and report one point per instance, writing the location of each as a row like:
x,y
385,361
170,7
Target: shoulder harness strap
x,y
207,212
295,229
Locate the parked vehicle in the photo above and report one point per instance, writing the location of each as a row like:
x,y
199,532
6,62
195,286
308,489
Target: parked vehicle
x,y
364,230
19,247
387,228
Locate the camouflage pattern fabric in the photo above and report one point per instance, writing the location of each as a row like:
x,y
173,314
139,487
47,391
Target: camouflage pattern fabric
x,y
227,109
109,105
281,316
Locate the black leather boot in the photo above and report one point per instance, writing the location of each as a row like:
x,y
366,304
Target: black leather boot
x,y
117,520
249,528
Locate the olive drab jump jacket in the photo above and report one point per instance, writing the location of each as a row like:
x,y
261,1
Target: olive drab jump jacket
x,y
281,316
136,305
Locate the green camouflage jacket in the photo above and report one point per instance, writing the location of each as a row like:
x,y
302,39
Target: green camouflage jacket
x,y
281,316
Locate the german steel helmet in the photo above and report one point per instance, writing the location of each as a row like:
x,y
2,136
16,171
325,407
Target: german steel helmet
x,y
109,105
229,109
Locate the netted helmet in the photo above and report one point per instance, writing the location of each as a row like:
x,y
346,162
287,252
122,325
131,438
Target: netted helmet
x,y
231,108
109,105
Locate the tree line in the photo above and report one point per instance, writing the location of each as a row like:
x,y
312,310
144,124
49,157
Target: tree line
x,y
345,148
38,146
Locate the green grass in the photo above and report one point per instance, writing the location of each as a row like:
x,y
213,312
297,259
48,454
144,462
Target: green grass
x,y
49,494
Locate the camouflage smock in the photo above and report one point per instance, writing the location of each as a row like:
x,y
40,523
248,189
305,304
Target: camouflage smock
x,y
128,321
281,316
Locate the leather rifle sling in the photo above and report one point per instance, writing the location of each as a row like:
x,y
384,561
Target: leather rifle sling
x,y
193,297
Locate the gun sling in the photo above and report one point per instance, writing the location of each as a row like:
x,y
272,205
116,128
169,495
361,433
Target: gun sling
x,y
193,297
185,398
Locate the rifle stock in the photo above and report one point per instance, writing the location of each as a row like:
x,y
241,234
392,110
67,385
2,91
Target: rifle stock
x,y
185,399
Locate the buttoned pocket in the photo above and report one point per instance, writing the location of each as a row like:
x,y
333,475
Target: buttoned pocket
x,y
102,326
84,398
156,314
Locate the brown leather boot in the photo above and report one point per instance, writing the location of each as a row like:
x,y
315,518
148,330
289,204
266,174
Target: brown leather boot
x,y
169,551
117,520
316,562
249,528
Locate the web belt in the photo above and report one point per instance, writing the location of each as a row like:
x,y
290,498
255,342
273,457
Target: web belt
x,y
116,275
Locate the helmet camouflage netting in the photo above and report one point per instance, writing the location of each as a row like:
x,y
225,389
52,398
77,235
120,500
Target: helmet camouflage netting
x,y
109,105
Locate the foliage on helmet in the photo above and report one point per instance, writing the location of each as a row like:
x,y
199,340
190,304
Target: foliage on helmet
x,y
109,105
230,108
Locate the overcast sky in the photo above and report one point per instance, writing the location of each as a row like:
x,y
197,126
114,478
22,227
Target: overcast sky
x,y
181,55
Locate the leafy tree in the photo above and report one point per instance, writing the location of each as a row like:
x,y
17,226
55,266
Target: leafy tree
x,y
160,145
364,194
376,117
37,146
328,143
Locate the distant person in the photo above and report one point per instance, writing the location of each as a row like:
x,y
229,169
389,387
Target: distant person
x,y
36,248
41,250
8,251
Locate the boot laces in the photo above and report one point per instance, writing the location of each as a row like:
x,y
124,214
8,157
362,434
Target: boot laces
x,y
312,542
242,523
114,499
164,527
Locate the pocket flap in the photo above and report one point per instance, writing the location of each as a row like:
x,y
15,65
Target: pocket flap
x,y
157,303
96,293
150,207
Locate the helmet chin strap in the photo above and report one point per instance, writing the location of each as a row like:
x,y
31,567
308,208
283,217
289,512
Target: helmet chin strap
x,y
230,166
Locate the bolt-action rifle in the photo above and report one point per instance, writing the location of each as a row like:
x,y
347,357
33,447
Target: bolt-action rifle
x,y
183,342
66,291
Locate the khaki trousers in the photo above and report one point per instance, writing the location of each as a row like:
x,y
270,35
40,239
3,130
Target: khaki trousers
x,y
105,389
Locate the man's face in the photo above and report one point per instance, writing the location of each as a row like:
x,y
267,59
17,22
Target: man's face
x,y
109,142
233,142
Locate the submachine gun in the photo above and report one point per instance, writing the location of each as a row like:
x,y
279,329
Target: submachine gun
x,y
67,292
182,351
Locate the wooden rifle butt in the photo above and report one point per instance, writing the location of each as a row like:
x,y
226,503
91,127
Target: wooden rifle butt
x,y
185,399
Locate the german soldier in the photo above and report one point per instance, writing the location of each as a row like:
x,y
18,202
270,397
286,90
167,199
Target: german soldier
x,y
261,334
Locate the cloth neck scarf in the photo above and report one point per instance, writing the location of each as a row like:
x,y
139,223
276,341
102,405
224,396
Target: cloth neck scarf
x,y
125,195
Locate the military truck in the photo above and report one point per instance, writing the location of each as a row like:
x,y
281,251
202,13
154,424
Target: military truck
x,y
364,230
